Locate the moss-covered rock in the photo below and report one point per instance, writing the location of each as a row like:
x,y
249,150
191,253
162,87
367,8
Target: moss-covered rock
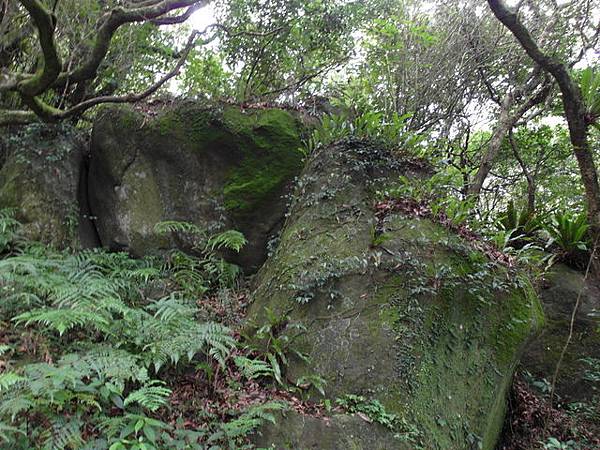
x,y
423,322
559,294
293,431
40,178
215,166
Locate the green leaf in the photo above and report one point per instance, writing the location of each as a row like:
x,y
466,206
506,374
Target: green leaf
x,y
9,379
150,434
138,425
276,369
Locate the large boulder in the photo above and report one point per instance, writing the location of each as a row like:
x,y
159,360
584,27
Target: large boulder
x,y
391,306
40,179
219,167
576,381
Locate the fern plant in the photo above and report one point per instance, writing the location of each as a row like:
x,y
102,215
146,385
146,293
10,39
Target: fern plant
x,y
152,396
103,346
518,227
109,340
373,409
590,91
390,131
331,128
270,346
196,274
9,228
521,221
234,433
568,232
132,431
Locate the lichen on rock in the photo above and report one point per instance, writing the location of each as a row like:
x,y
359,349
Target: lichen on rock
x,y
424,322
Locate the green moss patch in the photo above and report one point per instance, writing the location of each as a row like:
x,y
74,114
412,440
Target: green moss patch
x,y
263,142
271,157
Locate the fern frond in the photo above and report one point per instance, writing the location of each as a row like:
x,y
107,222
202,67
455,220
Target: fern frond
x,y
174,226
248,421
230,239
4,349
108,363
63,434
9,379
143,274
18,264
169,345
15,405
172,308
253,368
7,431
152,396
62,320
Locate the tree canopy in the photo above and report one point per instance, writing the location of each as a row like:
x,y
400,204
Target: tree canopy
x,y
451,71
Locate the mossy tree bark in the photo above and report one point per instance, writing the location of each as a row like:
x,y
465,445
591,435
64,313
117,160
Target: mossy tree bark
x,y
51,74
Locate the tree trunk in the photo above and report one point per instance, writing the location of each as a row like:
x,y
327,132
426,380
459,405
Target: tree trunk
x,y
573,105
534,92
589,177
526,174
505,123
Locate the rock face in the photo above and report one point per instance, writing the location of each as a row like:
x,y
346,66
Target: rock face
x,y
558,296
219,168
395,308
40,178
339,432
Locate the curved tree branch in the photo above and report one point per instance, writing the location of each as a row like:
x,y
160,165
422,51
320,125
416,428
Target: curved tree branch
x,y
45,22
15,117
111,23
510,113
132,98
39,109
31,86
50,75
178,19
526,173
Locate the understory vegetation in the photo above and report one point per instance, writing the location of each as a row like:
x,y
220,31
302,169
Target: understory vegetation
x,y
99,350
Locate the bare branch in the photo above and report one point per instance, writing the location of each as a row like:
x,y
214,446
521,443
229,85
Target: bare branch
x,y
111,23
510,113
574,107
132,98
178,19
558,70
526,173
50,114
